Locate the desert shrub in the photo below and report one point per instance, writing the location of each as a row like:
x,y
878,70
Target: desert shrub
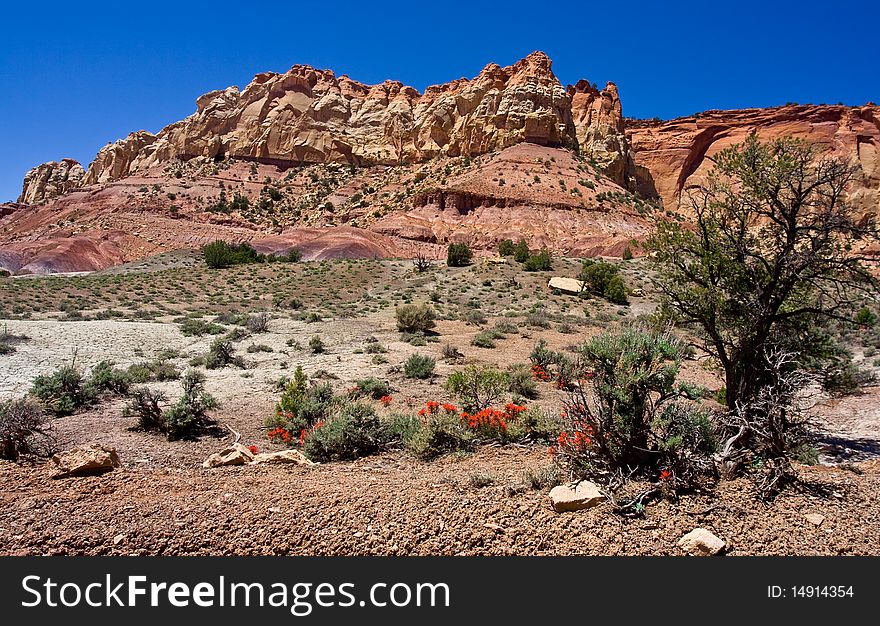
x,y
842,378
188,416
441,433
865,317
63,391
627,254
374,347
413,318
542,356
191,326
258,322
451,353
615,291
219,254
540,262
458,255
483,339
372,387
634,419
220,354
521,251
403,427
506,247
6,348
603,279
521,382
300,407
23,429
544,477
105,379
259,347
538,318
316,344
473,316
419,366
479,480
477,387
159,370
144,403
355,431
505,328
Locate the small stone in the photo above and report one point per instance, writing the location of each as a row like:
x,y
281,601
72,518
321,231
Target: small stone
x,y
118,539
815,518
284,456
583,495
496,527
88,460
236,454
701,542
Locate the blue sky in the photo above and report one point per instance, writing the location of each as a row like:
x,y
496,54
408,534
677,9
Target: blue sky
x,y
76,76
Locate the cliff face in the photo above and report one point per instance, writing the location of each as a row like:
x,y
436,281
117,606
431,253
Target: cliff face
x,y
674,156
51,179
312,116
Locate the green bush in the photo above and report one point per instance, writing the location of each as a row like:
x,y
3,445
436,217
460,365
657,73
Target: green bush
x,y
191,326
316,344
506,247
866,317
485,339
188,416
637,418
219,254
603,279
627,254
105,379
477,387
414,318
373,387
521,382
521,251
441,434
62,392
220,354
158,370
458,255
354,432
301,406
258,322
144,403
540,262
23,429
419,366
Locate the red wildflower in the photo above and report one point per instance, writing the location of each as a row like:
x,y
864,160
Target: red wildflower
x,y
254,449
665,475
385,400
302,436
450,408
432,406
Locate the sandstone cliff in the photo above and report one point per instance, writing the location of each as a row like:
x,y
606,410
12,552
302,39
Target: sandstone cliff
x,y
51,179
312,116
673,156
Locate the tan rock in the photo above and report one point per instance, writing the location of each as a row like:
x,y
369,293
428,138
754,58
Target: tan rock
x,y
583,495
283,457
51,179
701,542
88,460
236,454
566,285
815,519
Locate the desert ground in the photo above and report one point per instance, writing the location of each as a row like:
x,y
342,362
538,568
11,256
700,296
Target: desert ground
x,y
492,500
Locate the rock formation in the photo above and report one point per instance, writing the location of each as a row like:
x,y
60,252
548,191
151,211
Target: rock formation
x,y
51,179
674,155
312,116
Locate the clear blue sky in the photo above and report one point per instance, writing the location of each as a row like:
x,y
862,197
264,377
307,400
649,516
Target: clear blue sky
x,y
77,75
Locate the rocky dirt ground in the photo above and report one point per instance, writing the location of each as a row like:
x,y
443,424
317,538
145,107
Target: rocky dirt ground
x,y
162,501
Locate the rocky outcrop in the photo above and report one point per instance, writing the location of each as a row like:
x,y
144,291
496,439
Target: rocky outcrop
x,y
51,179
598,120
312,116
87,460
117,160
674,156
